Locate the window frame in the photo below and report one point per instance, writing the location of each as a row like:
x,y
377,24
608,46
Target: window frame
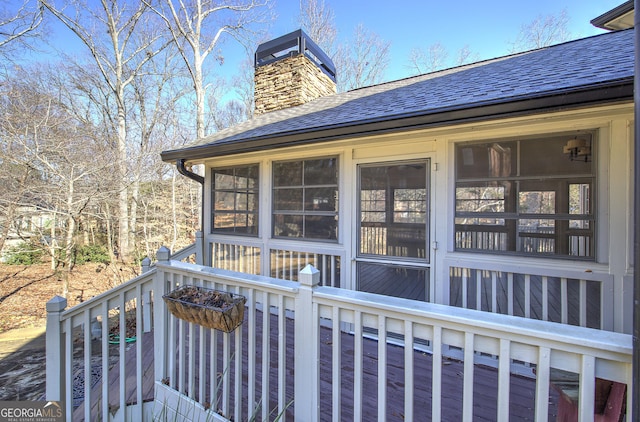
x,y
390,218
512,213
304,187
236,191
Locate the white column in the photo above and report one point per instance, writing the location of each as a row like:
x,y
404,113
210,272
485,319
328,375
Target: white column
x,y
55,371
200,248
160,315
306,399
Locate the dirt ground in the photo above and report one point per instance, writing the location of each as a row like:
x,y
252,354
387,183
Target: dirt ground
x,y
24,292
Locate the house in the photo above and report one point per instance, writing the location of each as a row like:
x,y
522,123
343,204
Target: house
x,y
476,212
402,188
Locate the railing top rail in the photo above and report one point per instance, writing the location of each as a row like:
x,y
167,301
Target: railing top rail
x,y
237,278
109,294
580,270
569,338
184,252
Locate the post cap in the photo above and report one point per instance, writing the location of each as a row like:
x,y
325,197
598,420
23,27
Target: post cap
x,y
56,304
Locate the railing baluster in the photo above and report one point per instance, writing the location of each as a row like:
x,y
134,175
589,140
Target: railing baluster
x,y
68,365
201,364
494,292
479,290
266,354
282,355
504,379
238,373
213,369
357,366
251,348
226,373
122,304
564,301
86,324
582,305
172,352
543,378
467,394
336,368
527,296
181,367
545,298
465,288
510,298
587,388
436,382
139,362
105,360
382,367
408,371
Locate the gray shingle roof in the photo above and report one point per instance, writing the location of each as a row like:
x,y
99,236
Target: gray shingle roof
x,y
589,70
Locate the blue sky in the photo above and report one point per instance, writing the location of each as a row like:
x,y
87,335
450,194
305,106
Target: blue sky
x,y
486,27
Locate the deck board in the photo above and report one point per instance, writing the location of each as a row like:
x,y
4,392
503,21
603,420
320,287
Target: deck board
x,y
522,389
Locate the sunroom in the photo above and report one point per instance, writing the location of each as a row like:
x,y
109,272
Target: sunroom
x,y
461,196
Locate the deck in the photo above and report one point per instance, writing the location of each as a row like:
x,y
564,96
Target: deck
x,y
522,388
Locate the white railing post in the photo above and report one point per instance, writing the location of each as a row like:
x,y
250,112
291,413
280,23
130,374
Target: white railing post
x,y
54,355
199,248
160,316
146,265
306,392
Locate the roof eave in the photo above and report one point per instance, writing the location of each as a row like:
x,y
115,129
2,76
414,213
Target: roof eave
x,y
611,92
605,20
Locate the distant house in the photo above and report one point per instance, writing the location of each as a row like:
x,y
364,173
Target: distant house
x,y
30,224
517,165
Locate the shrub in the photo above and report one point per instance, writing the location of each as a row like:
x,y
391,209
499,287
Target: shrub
x,y
24,254
92,253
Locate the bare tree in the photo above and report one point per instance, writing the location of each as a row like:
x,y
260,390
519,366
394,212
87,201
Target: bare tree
x,y
465,56
543,31
154,108
425,61
47,142
17,25
196,29
113,33
318,21
363,61
436,58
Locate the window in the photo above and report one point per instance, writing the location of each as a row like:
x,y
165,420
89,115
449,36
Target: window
x,y
528,197
234,193
305,199
393,210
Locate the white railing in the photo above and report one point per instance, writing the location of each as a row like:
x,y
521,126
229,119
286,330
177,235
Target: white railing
x,y
569,297
85,344
589,354
250,257
309,352
286,265
244,258
246,350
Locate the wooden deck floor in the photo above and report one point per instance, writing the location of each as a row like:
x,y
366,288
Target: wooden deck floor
x,y
485,400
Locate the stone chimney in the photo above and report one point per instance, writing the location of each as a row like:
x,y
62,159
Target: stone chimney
x,y
289,71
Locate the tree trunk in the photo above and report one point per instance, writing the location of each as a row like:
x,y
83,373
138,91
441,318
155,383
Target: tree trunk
x,y
123,199
200,95
68,250
133,213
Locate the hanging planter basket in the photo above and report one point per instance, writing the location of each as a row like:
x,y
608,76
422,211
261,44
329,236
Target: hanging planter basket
x,y
210,308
